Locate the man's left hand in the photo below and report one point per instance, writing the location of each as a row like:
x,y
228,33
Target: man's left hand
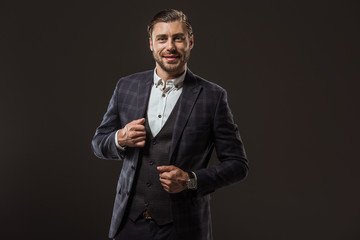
x,y
172,178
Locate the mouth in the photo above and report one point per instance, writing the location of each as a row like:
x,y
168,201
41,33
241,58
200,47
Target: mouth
x,y
171,58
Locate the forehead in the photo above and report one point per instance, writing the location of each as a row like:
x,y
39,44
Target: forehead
x,y
168,28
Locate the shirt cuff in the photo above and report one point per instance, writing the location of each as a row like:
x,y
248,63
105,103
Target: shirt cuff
x,y
117,144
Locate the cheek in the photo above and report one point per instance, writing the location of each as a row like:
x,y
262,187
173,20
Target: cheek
x,y
156,48
183,48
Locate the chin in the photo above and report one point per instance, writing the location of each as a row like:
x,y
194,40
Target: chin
x,y
171,67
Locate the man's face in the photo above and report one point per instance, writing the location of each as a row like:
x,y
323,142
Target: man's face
x,y
171,44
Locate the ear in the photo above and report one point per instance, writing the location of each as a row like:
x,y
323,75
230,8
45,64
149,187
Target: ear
x,y
150,44
191,42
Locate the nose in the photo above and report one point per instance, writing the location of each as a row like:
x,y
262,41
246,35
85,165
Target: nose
x,y
170,45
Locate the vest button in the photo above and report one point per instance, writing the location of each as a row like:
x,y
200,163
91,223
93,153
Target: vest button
x,y
148,184
146,204
151,163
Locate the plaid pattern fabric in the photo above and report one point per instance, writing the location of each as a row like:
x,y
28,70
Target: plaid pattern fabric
x,y
203,121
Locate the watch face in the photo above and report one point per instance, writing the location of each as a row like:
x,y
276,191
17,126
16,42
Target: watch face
x,y
191,184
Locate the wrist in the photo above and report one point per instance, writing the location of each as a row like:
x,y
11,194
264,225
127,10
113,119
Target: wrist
x,y
120,143
191,183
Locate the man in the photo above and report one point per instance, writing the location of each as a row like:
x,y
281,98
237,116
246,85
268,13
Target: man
x,y
164,124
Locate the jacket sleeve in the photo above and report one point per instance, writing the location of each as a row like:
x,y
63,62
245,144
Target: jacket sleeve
x,y
230,151
103,142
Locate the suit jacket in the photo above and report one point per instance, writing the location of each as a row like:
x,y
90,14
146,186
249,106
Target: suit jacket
x,y
203,121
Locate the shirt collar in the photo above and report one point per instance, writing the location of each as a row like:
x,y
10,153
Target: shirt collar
x,y
176,82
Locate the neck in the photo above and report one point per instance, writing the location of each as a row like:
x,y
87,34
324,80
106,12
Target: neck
x,y
164,75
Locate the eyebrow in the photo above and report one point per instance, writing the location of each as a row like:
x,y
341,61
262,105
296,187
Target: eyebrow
x,y
179,35
160,36
174,35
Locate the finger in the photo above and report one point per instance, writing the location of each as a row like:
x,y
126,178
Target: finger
x,y
164,185
165,168
138,139
165,175
140,144
134,135
136,128
165,182
166,188
138,121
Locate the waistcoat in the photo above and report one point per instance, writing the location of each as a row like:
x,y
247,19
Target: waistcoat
x,y
148,193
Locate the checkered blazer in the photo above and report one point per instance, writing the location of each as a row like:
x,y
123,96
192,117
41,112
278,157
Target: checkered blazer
x,y
203,121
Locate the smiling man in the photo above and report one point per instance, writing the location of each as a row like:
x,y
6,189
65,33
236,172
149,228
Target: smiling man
x,y
171,43
164,124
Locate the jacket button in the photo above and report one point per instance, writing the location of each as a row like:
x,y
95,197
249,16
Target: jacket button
x,y
133,167
151,163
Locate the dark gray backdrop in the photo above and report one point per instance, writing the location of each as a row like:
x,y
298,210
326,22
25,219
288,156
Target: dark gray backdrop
x,y
291,69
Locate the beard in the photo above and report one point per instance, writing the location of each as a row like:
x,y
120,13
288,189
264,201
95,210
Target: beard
x,y
172,67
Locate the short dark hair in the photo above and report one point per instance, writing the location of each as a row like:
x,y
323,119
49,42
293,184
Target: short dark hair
x,y
170,15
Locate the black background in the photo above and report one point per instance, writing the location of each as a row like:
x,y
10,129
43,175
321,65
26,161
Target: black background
x,y
291,69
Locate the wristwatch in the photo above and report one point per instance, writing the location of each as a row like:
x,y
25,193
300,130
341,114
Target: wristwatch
x,y
192,181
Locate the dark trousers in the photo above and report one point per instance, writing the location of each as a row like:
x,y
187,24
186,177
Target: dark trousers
x,y
143,229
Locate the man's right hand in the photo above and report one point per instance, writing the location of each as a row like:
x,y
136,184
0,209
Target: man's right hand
x,y
133,134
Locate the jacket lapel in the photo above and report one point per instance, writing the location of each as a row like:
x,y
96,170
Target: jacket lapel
x,y
143,92
191,90
144,88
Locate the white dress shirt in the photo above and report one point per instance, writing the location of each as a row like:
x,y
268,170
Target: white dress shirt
x,y
163,98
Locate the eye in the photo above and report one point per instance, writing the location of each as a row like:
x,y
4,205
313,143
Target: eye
x,y
161,39
179,38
